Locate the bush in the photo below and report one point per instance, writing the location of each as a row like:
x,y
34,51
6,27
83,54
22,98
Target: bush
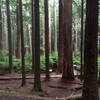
x,y
28,62
42,62
98,61
99,67
4,60
53,59
16,64
76,60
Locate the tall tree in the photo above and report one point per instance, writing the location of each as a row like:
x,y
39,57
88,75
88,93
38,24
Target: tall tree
x,y
67,61
46,38
43,36
18,53
82,31
90,87
28,49
1,46
22,44
61,35
4,30
9,36
30,39
49,27
37,82
13,29
33,36
55,28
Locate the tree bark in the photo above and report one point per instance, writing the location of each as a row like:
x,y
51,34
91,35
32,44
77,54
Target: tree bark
x,y
55,28
43,36
30,40
1,45
37,82
67,61
61,36
9,36
28,50
50,51
33,36
22,45
82,39
18,49
13,25
90,87
47,39
4,30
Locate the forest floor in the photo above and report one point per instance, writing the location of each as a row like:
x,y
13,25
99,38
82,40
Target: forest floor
x,y
10,88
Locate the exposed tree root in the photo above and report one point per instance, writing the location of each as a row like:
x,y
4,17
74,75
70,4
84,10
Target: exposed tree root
x,y
61,87
72,97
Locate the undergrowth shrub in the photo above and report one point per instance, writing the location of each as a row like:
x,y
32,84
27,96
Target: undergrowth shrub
x,y
4,61
53,59
76,60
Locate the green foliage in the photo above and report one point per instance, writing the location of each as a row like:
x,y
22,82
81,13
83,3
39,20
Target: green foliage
x,y
42,62
98,61
76,60
42,49
53,59
28,62
4,59
99,68
16,63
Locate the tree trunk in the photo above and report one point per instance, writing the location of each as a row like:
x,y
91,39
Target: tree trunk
x,y
33,36
68,64
28,50
1,45
90,87
50,51
82,39
4,30
18,49
76,40
46,39
13,25
9,36
43,37
22,45
30,40
61,35
37,82
55,28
